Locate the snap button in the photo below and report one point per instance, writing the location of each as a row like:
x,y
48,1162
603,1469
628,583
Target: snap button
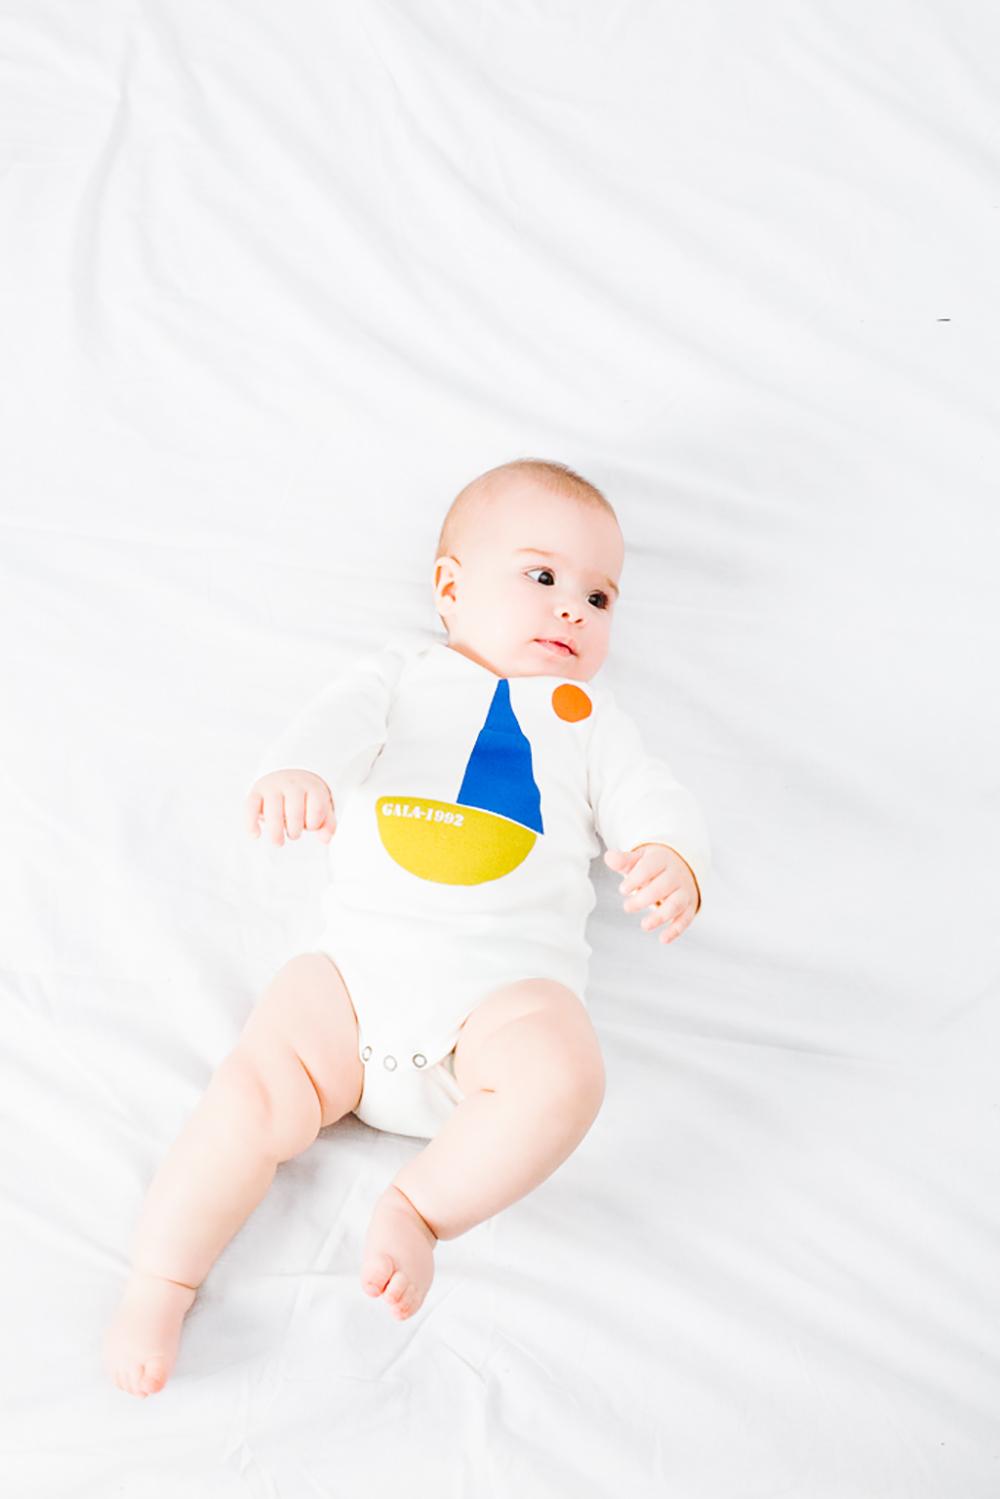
x,y
390,1063
419,1060
366,1054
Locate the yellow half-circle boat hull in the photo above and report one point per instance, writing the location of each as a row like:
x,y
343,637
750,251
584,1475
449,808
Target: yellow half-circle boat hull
x,y
451,844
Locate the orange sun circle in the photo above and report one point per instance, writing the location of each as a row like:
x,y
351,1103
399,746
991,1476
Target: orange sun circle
x,y
571,703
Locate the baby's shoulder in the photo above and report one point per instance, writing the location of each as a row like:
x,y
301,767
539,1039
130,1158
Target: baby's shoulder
x,y
395,654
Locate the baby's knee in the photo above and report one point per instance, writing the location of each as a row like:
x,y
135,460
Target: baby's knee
x,y
556,1056
577,1080
269,1095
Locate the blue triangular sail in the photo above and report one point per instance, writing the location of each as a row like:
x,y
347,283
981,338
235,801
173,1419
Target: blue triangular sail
x,y
499,777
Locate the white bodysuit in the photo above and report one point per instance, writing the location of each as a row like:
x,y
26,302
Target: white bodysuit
x,y
468,807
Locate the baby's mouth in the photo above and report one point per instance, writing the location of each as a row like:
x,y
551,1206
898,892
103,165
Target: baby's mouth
x,y
557,646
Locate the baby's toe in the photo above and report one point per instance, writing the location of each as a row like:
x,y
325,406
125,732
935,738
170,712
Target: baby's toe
x,y
397,1288
409,1304
153,1376
376,1274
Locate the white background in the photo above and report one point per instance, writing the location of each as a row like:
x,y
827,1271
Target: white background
x,y
276,282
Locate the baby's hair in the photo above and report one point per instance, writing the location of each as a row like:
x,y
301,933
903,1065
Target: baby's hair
x,y
555,476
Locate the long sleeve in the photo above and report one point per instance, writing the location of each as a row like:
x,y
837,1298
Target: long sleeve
x,y
339,733
636,798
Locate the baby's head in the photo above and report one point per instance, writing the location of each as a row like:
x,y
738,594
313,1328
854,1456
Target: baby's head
x,y
529,552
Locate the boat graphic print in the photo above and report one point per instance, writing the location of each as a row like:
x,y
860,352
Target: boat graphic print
x,y
493,825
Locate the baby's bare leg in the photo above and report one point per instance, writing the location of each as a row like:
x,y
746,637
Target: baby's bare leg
x,y
530,1065
294,1070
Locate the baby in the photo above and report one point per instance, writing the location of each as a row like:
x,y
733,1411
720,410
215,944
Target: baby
x,y
466,782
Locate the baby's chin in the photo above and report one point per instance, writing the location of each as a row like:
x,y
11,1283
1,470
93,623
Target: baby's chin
x,y
529,660
537,661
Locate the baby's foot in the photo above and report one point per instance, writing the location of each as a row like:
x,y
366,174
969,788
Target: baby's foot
x,y
399,1255
140,1346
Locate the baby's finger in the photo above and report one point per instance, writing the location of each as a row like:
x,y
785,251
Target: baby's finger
x,y
295,812
253,808
663,912
316,804
274,816
643,892
682,923
322,818
636,873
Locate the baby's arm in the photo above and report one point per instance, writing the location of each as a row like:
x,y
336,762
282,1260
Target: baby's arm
x,y
637,800
330,745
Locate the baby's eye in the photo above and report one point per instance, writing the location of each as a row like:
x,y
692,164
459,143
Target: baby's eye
x,y
598,595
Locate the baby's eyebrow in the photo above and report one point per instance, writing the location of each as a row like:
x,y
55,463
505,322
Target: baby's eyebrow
x,y
541,552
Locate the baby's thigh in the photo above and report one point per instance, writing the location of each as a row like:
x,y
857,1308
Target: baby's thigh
x,y
560,1049
306,1009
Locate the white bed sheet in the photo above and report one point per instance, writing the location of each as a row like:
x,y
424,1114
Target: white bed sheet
x,y
276,282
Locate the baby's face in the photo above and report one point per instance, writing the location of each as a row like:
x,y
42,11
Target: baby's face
x,y
533,567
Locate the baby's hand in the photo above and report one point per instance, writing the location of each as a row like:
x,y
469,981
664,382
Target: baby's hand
x,y
657,876
292,800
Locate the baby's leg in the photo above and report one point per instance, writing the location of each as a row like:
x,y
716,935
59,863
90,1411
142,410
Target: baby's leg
x,y
530,1065
294,1070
